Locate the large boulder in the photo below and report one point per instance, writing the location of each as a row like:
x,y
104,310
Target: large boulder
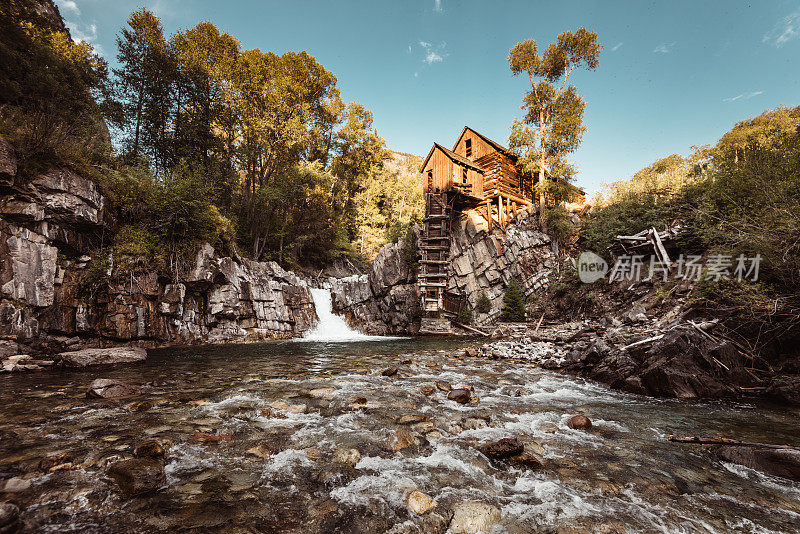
x,y
783,463
389,269
471,517
107,356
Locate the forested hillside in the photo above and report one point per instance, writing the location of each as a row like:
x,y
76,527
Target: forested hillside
x,y
740,196
252,151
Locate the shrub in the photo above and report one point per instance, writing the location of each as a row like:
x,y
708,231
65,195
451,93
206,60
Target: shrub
x,y
465,316
483,304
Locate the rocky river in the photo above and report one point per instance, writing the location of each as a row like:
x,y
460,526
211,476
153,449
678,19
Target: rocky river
x,y
306,437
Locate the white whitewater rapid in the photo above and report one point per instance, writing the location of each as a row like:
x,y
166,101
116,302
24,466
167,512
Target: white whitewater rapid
x,y
331,327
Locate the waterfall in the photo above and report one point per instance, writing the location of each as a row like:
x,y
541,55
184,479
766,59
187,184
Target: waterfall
x,y
332,327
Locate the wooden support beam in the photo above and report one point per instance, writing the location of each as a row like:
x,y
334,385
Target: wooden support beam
x,y
489,214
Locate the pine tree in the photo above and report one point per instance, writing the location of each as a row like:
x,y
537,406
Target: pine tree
x,y
514,303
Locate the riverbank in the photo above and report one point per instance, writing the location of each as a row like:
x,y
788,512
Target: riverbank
x,y
319,437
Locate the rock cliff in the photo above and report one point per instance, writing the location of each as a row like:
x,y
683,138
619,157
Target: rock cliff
x,y
53,228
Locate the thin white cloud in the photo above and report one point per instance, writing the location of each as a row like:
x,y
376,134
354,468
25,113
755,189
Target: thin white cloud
x,y
409,49
82,33
69,5
433,54
743,96
664,48
785,30
437,6
616,47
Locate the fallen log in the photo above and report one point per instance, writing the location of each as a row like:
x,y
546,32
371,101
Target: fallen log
x,y
727,441
470,329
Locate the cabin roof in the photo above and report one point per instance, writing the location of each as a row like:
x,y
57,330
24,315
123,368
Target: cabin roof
x,y
497,146
452,155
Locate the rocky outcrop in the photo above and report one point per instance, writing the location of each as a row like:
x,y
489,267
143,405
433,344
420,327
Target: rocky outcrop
x,y
486,262
61,290
387,299
682,364
783,463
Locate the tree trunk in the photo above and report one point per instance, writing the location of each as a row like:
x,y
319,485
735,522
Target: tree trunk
x,y
542,160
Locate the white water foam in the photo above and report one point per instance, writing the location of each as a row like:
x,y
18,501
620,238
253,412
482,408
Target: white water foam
x,y
332,327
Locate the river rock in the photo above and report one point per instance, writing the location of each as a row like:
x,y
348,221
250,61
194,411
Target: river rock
x,y
9,517
412,419
579,422
259,451
138,476
108,356
15,485
472,517
391,371
419,503
401,440
785,389
105,388
441,385
503,448
784,463
548,427
325,393
427,389
149,449
461,396
349,457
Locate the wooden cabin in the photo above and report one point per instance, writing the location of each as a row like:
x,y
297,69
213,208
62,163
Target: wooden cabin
x,y
479,174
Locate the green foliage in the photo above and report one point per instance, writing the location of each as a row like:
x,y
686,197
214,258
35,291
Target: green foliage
x,y
514,303
52,90
741,196
96,279
483,304
465,316
557,223
410,248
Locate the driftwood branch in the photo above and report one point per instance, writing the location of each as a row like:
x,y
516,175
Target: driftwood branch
x,y
727,441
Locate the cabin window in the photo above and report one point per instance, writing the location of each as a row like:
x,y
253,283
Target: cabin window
x,y
430,180
464,175
468,144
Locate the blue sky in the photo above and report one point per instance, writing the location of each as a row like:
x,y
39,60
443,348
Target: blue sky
x,y
672,74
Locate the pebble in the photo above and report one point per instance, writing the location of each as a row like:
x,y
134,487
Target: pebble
x,y
427,389
391,371
442,385
401,440
207,437
326,393
412,419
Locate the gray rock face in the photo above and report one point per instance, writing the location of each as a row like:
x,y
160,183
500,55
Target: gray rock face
x,y
387,299
28,266
109,356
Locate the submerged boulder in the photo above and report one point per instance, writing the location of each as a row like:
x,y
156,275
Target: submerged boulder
x,y
108,356
9,518
138,475
784,463
106,388
579,422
